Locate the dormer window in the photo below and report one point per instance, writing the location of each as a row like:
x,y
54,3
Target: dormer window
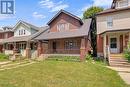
x,y
63,26
22,32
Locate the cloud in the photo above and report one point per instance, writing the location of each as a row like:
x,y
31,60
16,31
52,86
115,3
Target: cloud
x,y
36,15
85,7
53,6
102,3
6,16
57,8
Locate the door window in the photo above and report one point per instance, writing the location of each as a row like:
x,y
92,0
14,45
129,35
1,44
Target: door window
x,y
113,42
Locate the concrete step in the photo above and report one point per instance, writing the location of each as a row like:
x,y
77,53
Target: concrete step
x,y
119,65
112,62
119,60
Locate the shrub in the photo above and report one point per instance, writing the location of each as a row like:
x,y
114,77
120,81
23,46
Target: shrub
x,y
89,57
3,57
64,58
127,53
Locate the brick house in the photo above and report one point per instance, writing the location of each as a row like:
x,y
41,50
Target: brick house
x,y
113,28
22,42
67,34
5,32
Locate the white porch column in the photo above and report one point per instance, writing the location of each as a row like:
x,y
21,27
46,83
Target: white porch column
x,y
129,37
104,45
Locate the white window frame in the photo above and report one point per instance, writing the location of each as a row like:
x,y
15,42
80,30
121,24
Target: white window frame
x,y
63,26
109,22
123,3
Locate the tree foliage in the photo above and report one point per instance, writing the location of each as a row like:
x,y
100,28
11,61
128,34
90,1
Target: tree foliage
x,y
91,13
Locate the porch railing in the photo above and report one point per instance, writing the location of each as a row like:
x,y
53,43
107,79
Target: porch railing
x,y
62,51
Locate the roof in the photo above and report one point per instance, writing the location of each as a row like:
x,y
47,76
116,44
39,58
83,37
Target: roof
x,y
82,31
6,29
113,10
117,30
26,24
65,12
25,38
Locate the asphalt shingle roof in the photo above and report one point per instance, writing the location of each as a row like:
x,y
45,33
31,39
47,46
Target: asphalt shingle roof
x,y
82,31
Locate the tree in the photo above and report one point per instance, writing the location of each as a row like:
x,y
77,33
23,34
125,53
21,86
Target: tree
x,y
91,13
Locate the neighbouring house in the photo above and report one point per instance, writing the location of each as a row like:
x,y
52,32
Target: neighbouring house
x,y
113,28
67,35
5,32
22,41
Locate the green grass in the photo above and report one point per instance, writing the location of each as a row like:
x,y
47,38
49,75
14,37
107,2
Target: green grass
x,y
61,74
3,57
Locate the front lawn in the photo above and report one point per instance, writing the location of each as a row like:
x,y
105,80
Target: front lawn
x,y
61,74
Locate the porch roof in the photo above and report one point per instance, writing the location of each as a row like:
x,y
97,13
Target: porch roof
x,y
117,30
24,38
83,31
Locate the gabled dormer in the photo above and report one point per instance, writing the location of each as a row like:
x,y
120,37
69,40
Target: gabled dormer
x,y
120,4
64,21
24,29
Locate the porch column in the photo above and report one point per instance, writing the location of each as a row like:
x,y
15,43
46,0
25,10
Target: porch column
x,y
3,49
82,50
129,38
39,48
14,48
104,45
28,50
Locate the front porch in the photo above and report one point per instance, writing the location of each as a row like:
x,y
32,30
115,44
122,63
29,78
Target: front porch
x,y
25,49
64,47
116,42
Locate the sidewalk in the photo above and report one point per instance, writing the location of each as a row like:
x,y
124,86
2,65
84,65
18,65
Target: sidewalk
x,y
123,72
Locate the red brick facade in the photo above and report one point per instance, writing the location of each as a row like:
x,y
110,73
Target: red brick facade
x,y
99,44
63,18
5,35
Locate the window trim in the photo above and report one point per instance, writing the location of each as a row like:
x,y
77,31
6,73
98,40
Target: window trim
x,y
109,22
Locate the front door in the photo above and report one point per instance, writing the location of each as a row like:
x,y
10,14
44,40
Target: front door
x,y
114,45
54,47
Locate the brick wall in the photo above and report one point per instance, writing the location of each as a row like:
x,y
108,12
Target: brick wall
x,y
63,18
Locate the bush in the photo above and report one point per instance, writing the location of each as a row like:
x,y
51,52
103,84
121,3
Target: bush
x,y
3,57
64,58
89,57
127,53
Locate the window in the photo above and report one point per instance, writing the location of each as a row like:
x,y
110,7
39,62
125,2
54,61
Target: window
x,y
22,46
71,44
6,35
113,42
109,22
63,26
24,32
19,32
122,3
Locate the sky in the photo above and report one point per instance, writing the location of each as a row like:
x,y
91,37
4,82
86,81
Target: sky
x,y
39,12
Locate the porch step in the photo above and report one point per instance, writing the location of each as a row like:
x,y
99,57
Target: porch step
x,y
117,60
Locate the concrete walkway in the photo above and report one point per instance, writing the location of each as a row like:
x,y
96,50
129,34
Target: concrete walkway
x,y
123,72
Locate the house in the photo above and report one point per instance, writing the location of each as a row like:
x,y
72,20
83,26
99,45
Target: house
x,y
67,34
22,41
113,28
5,32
